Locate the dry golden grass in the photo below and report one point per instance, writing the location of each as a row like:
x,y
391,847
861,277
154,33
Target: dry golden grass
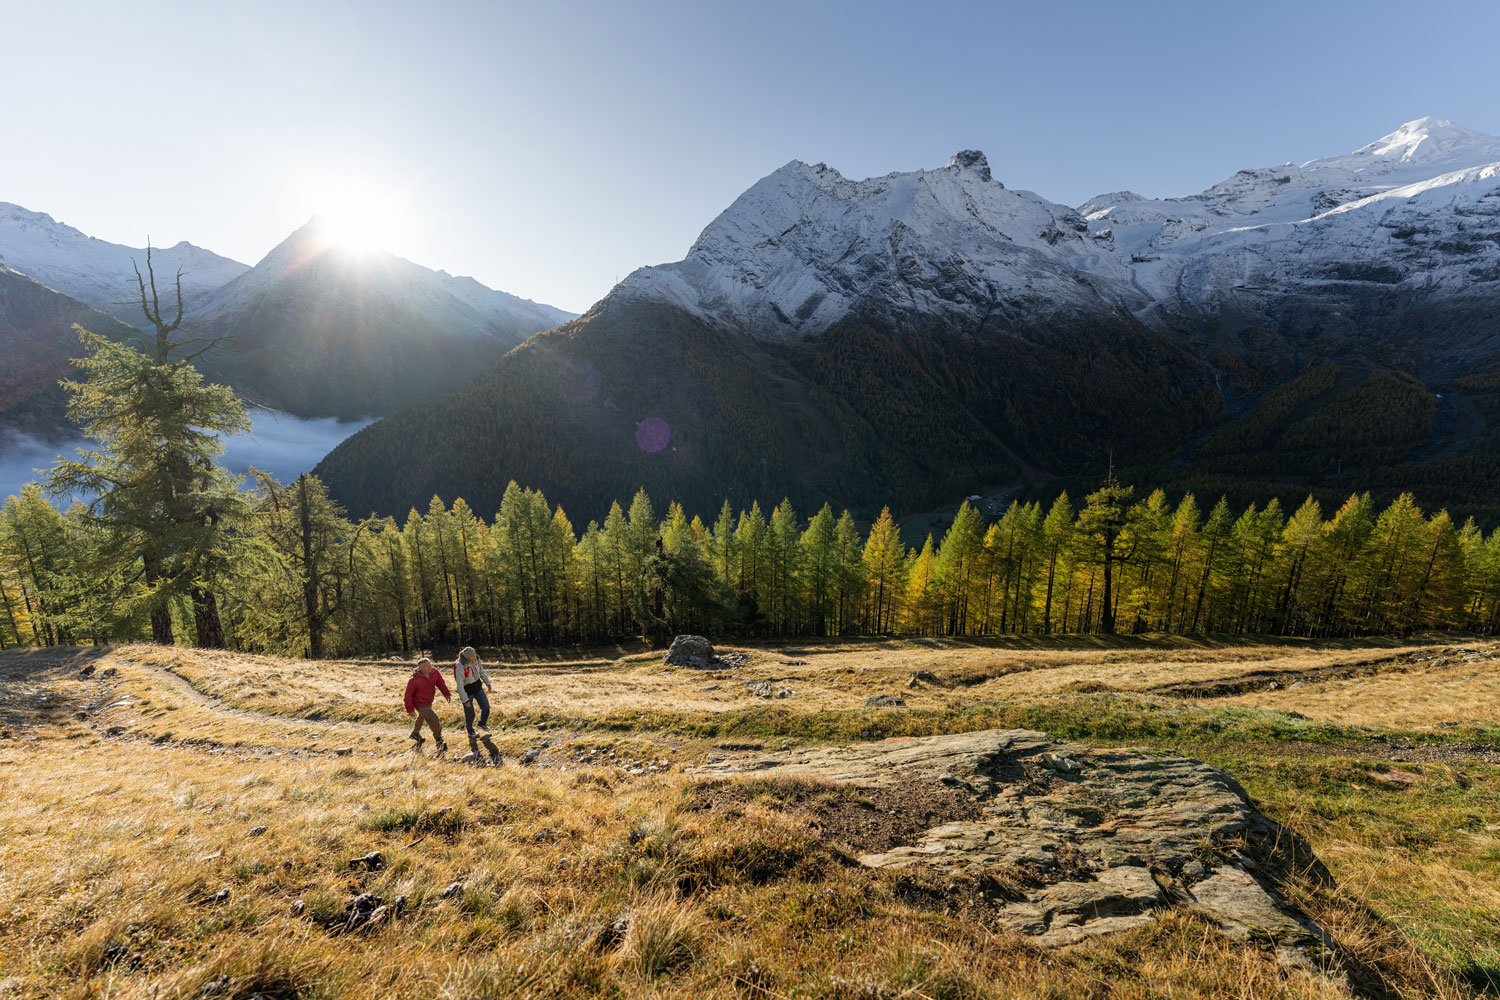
x,y
1424,697
836,676
588,881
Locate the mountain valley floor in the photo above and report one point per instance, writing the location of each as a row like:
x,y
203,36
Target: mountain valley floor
x,y
181,823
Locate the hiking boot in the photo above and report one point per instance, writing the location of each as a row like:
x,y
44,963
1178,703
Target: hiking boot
x,y
484,726
440,749
418,739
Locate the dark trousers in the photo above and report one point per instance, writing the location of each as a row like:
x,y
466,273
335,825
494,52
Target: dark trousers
x,y
476,693
427,715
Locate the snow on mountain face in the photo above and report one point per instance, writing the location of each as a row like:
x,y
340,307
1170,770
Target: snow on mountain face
x,y
100,273
1420,206
805,247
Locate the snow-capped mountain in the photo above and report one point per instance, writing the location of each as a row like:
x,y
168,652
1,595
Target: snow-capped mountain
x,y
1408,223
100,273
1416,212
323,330
805,247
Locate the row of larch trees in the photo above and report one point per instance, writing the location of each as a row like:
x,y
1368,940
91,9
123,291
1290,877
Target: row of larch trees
x,y
297,576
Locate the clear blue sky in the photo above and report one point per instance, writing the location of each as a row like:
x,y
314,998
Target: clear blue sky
x,y
548,148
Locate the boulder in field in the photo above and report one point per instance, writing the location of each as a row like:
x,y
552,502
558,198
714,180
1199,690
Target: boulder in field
x,y
691,651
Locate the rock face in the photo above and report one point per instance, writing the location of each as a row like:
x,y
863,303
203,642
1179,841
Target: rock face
x,y
1071,841
690,651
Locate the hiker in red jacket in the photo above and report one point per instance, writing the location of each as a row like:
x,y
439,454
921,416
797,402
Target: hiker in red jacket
x,y
421,689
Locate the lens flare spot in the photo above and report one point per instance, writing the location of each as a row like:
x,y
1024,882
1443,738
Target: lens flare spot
x,y
653,434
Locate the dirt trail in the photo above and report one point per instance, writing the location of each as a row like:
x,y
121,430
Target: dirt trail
x,y
185,688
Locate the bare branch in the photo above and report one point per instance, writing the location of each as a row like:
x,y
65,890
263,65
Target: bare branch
x,y
178,321
145,306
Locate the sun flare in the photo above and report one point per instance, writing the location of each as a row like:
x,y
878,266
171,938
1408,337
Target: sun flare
x,y
359,215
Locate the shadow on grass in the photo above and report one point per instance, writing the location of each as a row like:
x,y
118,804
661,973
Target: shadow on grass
x,y
1075,642
1484,980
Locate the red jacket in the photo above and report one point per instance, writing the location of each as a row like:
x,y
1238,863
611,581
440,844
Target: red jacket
x,y
422,690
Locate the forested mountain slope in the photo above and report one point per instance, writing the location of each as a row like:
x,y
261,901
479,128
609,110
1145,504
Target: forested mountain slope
x,y
320,329
923,335
37,352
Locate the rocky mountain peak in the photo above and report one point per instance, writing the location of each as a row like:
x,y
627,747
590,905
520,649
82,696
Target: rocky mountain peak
x,y
971,159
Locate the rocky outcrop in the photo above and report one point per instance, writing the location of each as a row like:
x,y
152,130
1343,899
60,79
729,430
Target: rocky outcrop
x,y
1071,841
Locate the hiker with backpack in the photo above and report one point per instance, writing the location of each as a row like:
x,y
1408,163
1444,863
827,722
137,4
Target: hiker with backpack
x,y
470,679
421,690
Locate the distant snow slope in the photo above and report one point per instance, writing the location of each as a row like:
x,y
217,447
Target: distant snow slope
x,y
1418,207
100,273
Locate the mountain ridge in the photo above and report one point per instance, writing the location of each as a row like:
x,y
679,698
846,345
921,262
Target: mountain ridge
x,y
314,328
1060,335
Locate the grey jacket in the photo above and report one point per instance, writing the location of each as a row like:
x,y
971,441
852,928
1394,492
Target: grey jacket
x,y
465,674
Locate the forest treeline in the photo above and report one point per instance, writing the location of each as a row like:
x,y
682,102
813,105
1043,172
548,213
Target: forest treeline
x,y
169,547
296,576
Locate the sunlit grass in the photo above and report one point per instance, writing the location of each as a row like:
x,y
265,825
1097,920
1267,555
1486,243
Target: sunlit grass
x,y
582,880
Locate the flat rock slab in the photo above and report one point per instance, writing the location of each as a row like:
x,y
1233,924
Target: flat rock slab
x,y
1071,841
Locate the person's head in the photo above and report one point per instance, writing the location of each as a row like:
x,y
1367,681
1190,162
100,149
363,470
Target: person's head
x,y
424,666
469,655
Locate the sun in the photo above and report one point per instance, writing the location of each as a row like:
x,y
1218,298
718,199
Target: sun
x,y
360,214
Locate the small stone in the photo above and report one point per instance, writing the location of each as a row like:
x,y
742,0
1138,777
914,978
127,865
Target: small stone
x,y
222,896
343,751
884,701
531,755
372,862
257,831
1057,762
87,671
108,672
299,906
454,888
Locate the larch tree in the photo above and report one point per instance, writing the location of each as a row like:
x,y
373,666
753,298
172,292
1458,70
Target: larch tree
x,y
153,486
1105,517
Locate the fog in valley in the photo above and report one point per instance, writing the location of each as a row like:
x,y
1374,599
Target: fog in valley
x,y
282,445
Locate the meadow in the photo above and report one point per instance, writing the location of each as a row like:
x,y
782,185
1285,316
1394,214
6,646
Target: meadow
x,y
182,823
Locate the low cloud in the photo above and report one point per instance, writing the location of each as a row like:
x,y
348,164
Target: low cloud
x,y
286,446
282,445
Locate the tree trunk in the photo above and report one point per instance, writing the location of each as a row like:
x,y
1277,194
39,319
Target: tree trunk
x,y
206,617
161,611
1106,607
